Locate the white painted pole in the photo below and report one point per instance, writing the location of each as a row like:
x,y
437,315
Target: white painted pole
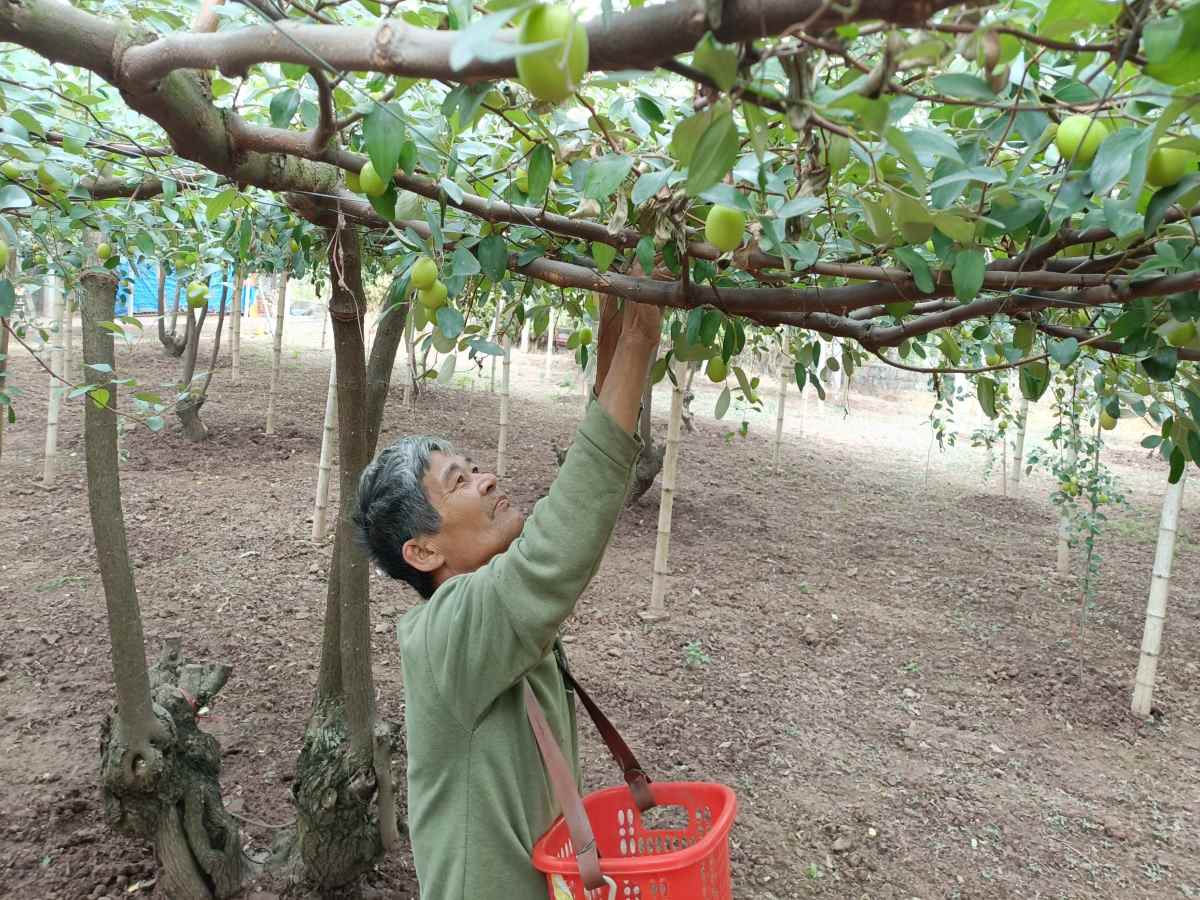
x,y
1064,526
502,440
1019,447
525,336
658,587
55,301
1156,606
326,462
281,282
781,402
235,331
550,330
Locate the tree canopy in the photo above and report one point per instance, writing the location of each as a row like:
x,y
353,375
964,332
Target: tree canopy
x,y
948,187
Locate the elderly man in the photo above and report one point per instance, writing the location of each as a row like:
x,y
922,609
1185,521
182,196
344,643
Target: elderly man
x,y
496,589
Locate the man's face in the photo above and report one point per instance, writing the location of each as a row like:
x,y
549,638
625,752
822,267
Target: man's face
x,y
477,520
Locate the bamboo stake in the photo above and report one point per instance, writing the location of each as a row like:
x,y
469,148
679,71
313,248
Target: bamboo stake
x,y
525,336
50,469
502,441
658,587
12,274
781,402
1064,526
324,325
1019,447
410,371
280,307
550,330
325,464
1156,606
235,332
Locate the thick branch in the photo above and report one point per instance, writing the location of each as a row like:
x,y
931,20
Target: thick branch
x,y
1062,331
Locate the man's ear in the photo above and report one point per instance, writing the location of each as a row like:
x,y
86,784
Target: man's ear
x,y
422,556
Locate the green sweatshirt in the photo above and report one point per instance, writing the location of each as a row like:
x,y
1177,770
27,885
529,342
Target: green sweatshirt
x,y
478,796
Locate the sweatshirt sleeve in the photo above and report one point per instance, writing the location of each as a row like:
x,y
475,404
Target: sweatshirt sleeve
x,y
489,627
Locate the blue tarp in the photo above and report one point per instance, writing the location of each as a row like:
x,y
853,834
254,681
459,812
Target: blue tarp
x,y
145,290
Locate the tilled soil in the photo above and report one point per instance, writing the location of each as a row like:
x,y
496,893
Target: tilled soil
x,y
886,671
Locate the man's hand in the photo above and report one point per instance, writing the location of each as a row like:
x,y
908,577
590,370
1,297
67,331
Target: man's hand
x,y
628,364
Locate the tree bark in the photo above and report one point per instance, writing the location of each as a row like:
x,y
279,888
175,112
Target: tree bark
x,y
172,343
159,773
658,589
650,460
277,349
50,466
1156,605
345,763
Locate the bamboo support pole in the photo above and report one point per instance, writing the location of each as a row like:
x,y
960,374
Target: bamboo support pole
x,y
525,336
658,587
326,465
235,331
12,274
1064,526
55,297
550,330
1019,446
505,400
1156,605
277,360
781,402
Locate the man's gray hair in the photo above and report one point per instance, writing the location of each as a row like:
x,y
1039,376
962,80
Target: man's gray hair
x,y
394,508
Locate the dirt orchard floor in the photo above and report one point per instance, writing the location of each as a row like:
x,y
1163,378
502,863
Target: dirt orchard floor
x,y
886,670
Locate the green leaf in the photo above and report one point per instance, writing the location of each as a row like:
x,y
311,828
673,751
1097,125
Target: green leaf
x,y
799,206
13,196
658,371
722,404
8,298
963,86
967,275
99,397
492,253
801,254
221,202
645,253
1164,199
801,376
916,264
605,175
916,172
714,156
1114,157
1151,441
156,423
1178,463
1066,18
1064,352
649,184
450,321
603,254
1162,365
649,110
476,39
541,168
744,384
718,61
384,133
756,124
283,107
1172,47
463,263
986,392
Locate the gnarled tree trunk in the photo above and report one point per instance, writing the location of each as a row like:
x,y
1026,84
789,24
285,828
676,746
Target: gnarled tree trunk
x,y
188,409
344,794
159,772
173,344
650,460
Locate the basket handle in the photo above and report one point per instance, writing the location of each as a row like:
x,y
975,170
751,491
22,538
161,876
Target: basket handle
x,y
562,782
635,776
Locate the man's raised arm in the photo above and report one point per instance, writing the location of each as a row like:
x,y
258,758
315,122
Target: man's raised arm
x,y
501,620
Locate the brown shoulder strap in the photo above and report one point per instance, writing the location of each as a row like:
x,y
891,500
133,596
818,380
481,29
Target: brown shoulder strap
x,y
562,782
631,769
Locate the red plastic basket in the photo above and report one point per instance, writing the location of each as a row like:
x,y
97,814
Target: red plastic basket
x,y
690,863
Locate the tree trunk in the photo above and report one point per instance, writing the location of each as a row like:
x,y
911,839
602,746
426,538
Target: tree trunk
x,y
502,439
325,464
650,460
171,342
50,468
784,376
235,330
345,762
1156,606
188,409
159,773
277,350
658,589
550,331
1019,446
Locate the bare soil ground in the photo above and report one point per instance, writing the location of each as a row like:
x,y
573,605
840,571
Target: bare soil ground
x,y
886,670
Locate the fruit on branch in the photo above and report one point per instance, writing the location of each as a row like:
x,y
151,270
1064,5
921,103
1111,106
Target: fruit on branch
x,y
552,73
523,181
993,359
1182,335
717,370
1107,422
10,170
197,295
433,297
371,182
1079,137
424,273
723,228
1168,165
3,253
585,337
352,182
104,251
